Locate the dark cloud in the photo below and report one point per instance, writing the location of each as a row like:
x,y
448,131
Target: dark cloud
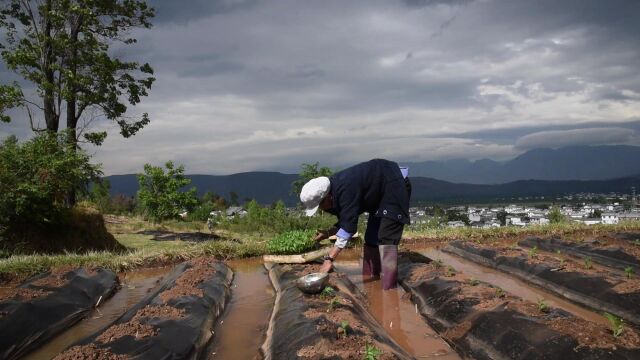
x,y
180,12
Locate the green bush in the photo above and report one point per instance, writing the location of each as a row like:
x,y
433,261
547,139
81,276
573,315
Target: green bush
x,y
291,242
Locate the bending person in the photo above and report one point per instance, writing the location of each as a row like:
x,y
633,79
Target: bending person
x,y
379,187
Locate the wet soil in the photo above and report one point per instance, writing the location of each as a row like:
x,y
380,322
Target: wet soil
x,y
187,283
89,352
159,235
21,293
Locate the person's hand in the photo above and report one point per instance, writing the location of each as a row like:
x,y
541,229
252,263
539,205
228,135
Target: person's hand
x,y
327,266
321,235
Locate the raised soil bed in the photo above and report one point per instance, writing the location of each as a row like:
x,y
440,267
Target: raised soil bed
x,y
48,304
581,282
329,326
483,322
175,321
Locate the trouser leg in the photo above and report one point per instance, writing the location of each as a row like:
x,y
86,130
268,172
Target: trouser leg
x,y
370,254
389,237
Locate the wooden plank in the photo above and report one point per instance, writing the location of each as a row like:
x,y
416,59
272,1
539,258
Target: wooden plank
x,y
298,258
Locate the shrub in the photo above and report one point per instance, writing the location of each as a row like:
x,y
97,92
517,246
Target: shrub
x,y
291,242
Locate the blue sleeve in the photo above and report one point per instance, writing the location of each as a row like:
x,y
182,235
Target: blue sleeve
x,y
342,233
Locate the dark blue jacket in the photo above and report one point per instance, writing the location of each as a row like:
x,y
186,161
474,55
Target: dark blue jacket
x,y
375,186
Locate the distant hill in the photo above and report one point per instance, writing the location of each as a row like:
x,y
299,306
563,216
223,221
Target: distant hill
x,y
570,163
268,187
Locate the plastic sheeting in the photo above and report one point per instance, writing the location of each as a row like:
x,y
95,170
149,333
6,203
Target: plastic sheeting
x,y
289,330
184,338
499,333
28,324
592,291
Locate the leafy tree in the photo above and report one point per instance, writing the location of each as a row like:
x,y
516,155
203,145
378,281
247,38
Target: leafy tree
x,y
555,216
34,178
99,195
597,213
309,171
63,48
160,193
455,215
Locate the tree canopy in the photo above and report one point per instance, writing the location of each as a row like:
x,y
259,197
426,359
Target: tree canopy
x,y
308,172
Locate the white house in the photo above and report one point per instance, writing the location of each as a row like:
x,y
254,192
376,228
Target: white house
x,y
610,218
455,224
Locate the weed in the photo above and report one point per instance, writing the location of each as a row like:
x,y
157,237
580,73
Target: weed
x,y
451,271
371,352
327,292
629,272
500,293
615,323
438,263
543,306
474,282
533,252
588,263
333,304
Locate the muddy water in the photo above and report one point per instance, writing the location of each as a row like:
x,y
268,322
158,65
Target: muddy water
x,y
511,284
395,312
135,285
240,331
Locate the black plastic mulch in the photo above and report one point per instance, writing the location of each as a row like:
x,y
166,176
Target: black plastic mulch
x,y
499,333
28,324
290,330
159,235
614,257
589,290
185,338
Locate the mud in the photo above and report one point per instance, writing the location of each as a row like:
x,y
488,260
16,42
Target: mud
x,y
158,235
89,352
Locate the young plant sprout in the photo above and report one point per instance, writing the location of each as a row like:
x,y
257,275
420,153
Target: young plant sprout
x,y
371,352
344,329
474,282
588,264
500,293
514,245
437,263
629,272
333,304
533,252
327,292
615,323
543,306
451,271
558,252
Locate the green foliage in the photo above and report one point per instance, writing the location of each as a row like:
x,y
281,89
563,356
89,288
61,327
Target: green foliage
x,y
160,193
344,328
63,48
308,172
502,217
533,252
629,272
474,282
500,293
451,271
437,263
615,323
456,215
333,304
99,195
327,292
291,242
555,216
543,306
36,176
371,352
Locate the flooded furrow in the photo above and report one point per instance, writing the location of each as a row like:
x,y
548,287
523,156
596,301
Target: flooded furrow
x,y
241,330
511,284
135,285
395,312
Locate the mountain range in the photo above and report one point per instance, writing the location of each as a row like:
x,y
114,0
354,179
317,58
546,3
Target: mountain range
x,y
544,172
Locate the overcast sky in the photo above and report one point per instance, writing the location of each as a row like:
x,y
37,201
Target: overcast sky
x,y
268,85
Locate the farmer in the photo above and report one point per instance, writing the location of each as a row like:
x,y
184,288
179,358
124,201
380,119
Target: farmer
x,y
379,187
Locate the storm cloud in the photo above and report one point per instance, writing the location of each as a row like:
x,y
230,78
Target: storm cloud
x,y
267,85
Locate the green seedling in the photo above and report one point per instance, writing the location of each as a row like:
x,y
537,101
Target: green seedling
x,y
500,293
328,292
344,329
629,272
514,246
333,304
636,242
371,352
451,271
533,252
588,263
543,306
615,323
474,282
438,263
558,252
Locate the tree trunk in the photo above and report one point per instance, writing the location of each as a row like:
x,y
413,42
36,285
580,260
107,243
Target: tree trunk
x,y
51,118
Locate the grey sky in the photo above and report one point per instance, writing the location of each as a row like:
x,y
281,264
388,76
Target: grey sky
x,y
267,85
